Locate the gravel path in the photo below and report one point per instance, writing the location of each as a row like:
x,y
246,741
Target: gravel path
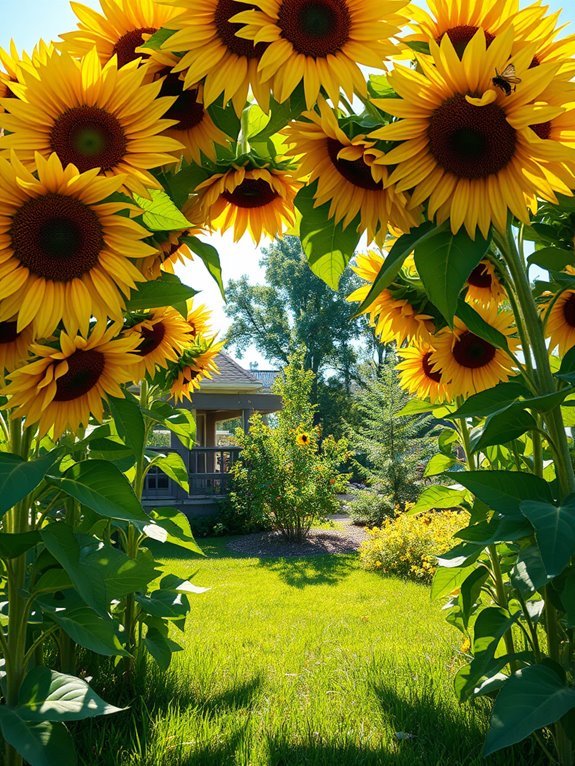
x,y
320,541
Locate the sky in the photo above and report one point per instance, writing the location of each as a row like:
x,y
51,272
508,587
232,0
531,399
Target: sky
x,y
26,21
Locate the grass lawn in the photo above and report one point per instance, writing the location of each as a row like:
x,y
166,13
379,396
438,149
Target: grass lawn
x,y
300,661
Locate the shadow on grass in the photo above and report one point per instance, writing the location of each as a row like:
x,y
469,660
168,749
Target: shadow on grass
x,y
300,572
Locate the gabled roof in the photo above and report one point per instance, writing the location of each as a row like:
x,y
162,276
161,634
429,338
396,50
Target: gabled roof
x,y
232,377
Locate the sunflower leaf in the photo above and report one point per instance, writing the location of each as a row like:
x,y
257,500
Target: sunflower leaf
x,y
160,212
478,326
168,290
210,258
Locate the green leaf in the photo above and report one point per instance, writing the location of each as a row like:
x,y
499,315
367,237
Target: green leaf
x,y
14,545
156,40
439,464
552,258
567,368
496,530
327,245
444,262
438,497
39,744
478,326
166,604
210,258
160,212
493,400
19,477
471,590
181,422
532,698
161,647
46,695
129,422
568,598
225,119
279,116
172,464
528,574
503,491
415,407
503,427
90,630
180,185
400,250
168,290
446,580
554,531
103,488
174,528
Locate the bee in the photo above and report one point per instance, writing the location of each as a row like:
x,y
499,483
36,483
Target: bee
x,y
507,81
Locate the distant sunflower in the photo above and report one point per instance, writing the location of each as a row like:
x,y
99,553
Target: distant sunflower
x,y
419,377
321,42
171,251
64,250
14,345
196,363
10,64
63,385
162,335
467,147
560,327
303,439
484,286
257,200
92,117
469,364
393,318
121,28
198,319
346,175
535,28
212,53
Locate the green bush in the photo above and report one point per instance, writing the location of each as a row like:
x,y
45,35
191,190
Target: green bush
x,y
369,507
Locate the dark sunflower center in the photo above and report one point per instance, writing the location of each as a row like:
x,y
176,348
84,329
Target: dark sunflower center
x,y
89,137
480,277
125,48
471,141
186,109
354,171
151,339
543,129
84,371
569,310
252,192
315,28
226,31
428,369
57,237
462,35
473,352
8,332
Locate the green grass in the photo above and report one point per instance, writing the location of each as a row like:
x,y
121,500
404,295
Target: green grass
x,y
299,661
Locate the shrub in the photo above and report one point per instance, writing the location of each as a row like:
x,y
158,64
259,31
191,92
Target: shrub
x,y
408,545
369,507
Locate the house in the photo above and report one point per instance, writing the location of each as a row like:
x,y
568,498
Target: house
x,y
219,406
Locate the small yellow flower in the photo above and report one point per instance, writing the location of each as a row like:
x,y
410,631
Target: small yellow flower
x,y
303,439
465,646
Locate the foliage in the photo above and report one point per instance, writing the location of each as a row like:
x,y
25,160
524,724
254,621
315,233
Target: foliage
x,y
368,507
409,546
286,477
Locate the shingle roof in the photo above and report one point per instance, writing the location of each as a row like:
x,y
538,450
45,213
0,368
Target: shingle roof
x,y
231,374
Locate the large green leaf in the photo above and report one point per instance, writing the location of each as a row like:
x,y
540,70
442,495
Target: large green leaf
x,y
171,526
528,574
554,531
168,290
503,491
439,464
444,262
19,477
493,400
39,744
160,212
90,630
532,698
166,604
46,695
471,590
172,464
161,647
129,422
552,258
396,257
503,427
327,245
103,488
210,258
179,421
438,497
447,580
568,597
478,326
14,545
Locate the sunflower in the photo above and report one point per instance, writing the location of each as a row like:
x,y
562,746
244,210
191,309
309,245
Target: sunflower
x,y
11,63
469,364
121,28
64,250
534,27
419,377
560,325
466,147
171,250
14,345
92,117
198,319
194,129
162,334
483,285
346,175
303,439
393,318
64,384
196,363
212,52
257,200
321,42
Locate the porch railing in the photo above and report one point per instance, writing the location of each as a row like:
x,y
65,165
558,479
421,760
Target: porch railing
x,y
208,473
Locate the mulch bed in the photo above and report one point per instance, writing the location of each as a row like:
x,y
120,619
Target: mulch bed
x,y
320,541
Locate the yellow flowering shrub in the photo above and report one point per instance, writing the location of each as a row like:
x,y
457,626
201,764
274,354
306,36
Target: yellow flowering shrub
x,y
408,545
